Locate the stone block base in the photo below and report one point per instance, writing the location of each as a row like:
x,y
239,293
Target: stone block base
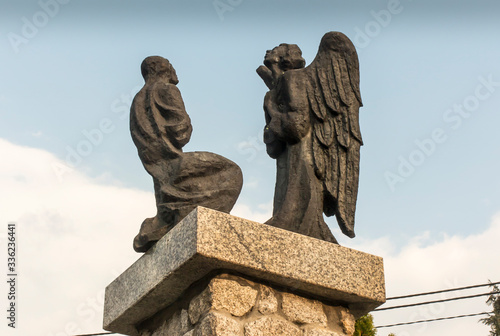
x,y
208,243
236,306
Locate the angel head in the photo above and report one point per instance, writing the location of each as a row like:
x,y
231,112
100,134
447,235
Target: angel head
x,y
285,56
156,67
278,60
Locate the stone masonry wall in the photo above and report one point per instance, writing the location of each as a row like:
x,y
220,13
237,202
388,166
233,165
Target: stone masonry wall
x,y
232,305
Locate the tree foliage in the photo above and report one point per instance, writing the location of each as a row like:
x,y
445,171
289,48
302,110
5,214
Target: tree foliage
x,y
493,319
364,326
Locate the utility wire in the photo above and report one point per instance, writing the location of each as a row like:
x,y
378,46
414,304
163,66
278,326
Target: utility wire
x,y
437,319
441,291
436,301
105,333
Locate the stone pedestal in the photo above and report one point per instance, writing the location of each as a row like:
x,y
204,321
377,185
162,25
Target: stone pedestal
x,y
216,274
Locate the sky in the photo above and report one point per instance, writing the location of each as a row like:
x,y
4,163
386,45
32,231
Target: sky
x,y
71,180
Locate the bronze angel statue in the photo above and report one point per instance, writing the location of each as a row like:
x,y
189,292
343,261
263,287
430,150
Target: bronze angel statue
x,y
312,130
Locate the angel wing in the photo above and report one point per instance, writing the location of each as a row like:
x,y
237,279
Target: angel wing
x,y
334,100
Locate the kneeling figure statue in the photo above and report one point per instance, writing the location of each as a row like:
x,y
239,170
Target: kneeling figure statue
x,y
160,127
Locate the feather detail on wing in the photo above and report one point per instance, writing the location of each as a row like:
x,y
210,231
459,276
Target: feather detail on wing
x,y
334,100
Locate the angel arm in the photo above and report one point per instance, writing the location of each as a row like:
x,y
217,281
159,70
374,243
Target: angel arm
x,y
286,109
267,76
296,121
272,131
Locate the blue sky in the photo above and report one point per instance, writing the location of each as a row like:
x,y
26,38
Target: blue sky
x,y
430,78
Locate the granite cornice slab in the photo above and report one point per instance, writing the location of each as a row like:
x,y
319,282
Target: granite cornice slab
x,y
207,240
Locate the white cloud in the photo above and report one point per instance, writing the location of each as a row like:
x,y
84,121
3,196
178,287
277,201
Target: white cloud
x,y
424,265
74,237
261,214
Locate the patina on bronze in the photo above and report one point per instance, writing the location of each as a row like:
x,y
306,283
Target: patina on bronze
x,y
312,130
160,127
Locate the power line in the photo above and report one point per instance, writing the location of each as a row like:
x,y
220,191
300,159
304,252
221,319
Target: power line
x,y
105,333
441,291
432,320
436,301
